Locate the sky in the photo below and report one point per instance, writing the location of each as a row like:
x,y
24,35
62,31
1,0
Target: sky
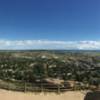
x,y
50,24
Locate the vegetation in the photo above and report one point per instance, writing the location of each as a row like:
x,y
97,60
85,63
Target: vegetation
x,y
80,67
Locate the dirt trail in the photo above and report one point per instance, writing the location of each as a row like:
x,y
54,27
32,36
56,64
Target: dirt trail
x,y
9,95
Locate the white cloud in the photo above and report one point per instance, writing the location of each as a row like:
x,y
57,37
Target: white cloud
x,y
47,44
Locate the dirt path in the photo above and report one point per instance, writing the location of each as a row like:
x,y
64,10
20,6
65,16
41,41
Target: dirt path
x,y
9,95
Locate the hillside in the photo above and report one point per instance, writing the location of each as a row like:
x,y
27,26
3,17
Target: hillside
x,y
45,69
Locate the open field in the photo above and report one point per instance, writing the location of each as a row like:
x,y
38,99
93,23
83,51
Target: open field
x,y
9,95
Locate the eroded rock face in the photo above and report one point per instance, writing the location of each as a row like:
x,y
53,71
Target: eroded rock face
x,y
92,96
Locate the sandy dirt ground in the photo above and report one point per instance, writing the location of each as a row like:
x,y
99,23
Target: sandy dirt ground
x,y
10,95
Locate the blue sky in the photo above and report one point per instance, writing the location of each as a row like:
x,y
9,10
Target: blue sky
x,y
49,21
